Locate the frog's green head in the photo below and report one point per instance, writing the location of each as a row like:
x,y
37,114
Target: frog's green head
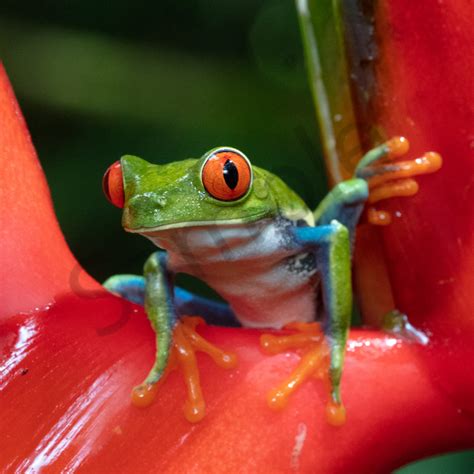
x,y
222,187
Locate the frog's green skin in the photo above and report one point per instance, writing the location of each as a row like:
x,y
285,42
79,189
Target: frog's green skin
x,y
266,254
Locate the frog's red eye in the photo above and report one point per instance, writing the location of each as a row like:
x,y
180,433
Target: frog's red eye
x,y
112,184
226,175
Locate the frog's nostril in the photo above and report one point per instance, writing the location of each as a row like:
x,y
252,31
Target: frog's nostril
x,y
159,201
112,184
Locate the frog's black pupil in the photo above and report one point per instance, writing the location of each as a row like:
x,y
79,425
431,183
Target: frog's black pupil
x,y
231,174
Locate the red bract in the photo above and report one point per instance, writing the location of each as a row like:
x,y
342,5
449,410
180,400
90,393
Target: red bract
x,y
437,107
423,90
67,370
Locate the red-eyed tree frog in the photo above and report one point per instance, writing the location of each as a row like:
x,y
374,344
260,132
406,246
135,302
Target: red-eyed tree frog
x,y
244,232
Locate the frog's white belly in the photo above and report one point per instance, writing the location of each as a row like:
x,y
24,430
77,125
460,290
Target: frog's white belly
x,y
256,268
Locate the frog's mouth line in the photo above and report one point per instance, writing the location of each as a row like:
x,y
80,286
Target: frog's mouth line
x,y
182,225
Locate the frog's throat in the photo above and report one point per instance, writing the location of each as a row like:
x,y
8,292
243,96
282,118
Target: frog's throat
x,y
213,222
294,216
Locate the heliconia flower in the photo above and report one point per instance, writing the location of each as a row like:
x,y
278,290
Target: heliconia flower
x,y
71,352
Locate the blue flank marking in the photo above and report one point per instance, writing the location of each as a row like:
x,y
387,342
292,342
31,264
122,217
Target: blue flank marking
x,y
132,288
313,235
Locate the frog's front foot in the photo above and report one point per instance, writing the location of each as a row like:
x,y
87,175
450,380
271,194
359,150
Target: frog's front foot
x,y
314,363
186,342
389,178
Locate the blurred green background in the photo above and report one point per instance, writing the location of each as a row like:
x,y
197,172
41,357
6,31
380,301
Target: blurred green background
x,y
165,81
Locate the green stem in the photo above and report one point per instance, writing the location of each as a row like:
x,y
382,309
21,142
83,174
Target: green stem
x,y
320,24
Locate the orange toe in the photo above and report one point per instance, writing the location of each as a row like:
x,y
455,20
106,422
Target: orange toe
x,y
313,364
397,146
186,342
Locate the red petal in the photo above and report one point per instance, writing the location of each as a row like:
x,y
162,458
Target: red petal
x,y
72,406
36,264
425,92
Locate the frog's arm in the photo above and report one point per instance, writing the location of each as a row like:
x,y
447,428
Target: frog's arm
x,y
129,287
132,288
330,244
343,203
346,200
163,303
376,177
176,341
160,310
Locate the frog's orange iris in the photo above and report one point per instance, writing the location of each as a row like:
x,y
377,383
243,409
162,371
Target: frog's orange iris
x,y
112,184
226,175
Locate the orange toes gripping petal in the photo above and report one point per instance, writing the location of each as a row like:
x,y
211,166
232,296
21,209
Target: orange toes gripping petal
x,y
428,163
396,188
186,342
313,364
395,179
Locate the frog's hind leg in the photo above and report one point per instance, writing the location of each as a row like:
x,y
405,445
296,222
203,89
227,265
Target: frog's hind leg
x,y
130,287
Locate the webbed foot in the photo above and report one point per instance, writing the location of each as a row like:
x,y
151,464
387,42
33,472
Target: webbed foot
x,y
388,178
186,342
314,363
